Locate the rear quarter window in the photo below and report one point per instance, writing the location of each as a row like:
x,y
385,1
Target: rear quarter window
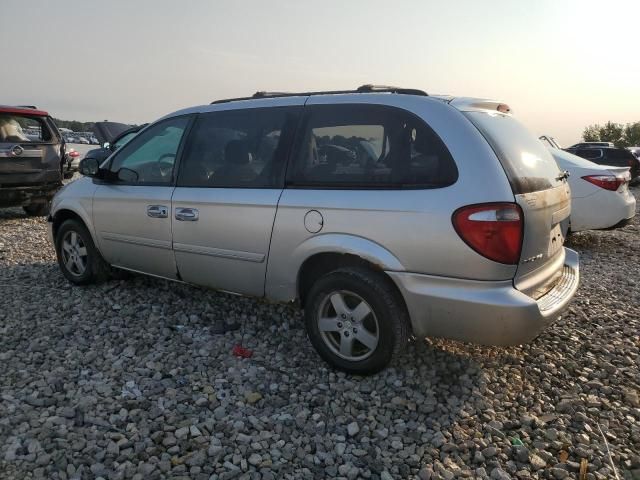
x,y
369,146
528,164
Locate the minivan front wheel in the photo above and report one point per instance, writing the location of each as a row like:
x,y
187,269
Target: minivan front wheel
x,y
78,258
356,320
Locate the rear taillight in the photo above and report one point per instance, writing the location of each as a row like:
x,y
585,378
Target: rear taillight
x,y
494,230
608,182
74,154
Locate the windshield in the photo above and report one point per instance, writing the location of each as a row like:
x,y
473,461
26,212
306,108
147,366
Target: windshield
x,y
15,128
528,164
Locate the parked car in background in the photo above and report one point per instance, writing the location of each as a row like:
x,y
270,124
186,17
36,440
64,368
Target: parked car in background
x,y
612,156
453,228
591,144
112,136
600,196
31,166
635,151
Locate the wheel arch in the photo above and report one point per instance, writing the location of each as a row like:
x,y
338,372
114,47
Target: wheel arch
x,y
326,253
61,215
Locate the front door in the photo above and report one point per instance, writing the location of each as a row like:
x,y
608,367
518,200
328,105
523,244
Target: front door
x,y
227,194
132,212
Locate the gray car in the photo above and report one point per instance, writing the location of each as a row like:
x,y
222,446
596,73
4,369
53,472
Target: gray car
x,y
32,154
384,212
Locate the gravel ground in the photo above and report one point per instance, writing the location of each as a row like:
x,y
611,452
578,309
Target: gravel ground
x,y
130,380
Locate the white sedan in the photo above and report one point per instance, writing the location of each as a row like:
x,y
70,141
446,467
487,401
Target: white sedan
x,y
600,196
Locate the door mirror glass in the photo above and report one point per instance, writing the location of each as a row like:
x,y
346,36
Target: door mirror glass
x,y
89,167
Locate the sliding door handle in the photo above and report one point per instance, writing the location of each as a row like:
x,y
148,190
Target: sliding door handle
x,y
187,214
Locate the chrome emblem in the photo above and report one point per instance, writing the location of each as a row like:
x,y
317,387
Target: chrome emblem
x,y
533,259
17,151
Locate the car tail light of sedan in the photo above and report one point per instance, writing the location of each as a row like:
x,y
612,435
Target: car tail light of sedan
x,y
74,154
608,182
494,230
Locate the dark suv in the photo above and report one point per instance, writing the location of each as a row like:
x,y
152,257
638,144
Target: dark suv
x,y
31,159
615,157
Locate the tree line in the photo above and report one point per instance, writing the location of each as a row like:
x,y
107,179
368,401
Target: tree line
x,y
621,135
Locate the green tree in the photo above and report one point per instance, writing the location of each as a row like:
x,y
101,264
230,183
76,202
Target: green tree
x,y
591,133
632,134
612,132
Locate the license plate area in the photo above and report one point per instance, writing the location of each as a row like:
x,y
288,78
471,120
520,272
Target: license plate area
x,y
556,241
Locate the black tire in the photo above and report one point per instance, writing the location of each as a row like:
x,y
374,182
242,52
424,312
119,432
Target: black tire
x,y
96,269
37,209
388,315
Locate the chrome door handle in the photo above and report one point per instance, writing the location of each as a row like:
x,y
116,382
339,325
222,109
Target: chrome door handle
x,y
187,214
157,211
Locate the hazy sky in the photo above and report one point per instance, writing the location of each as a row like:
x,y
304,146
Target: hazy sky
x,y
559,64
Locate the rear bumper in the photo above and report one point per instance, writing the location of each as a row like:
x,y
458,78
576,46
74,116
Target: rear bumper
x,y
18,196
488,313
602,210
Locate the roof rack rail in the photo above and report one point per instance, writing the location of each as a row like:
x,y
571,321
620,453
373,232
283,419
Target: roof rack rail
x,y
361,89
33,107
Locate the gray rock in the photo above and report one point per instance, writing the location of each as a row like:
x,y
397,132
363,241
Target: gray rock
x,y
353,429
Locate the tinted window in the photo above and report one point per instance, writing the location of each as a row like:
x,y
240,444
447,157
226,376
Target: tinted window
x,y
369,146
619,157
16,128
589,153
238,148
529,165
149,157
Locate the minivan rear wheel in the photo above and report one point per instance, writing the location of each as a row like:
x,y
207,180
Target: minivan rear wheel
x,y
78,257
356,320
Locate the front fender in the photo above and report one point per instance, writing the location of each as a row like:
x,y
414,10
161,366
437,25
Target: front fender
x,y
76,197
282,275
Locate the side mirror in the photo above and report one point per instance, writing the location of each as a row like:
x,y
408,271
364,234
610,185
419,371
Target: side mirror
x,y
106,146
89,167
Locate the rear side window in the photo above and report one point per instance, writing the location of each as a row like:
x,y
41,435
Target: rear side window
x,y
528,164
16,128
590,153
239,148
369,146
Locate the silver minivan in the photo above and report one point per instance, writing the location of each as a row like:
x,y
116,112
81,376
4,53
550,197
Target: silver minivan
x,y
384,212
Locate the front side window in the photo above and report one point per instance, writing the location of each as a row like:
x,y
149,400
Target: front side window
x,y
148,159
243,148
15,128
369,146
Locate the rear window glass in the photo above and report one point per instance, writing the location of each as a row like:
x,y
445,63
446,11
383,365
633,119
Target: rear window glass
x,y
23,129
620,155
528,164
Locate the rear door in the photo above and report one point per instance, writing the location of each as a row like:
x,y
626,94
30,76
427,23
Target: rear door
x,y
545,198
225,202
